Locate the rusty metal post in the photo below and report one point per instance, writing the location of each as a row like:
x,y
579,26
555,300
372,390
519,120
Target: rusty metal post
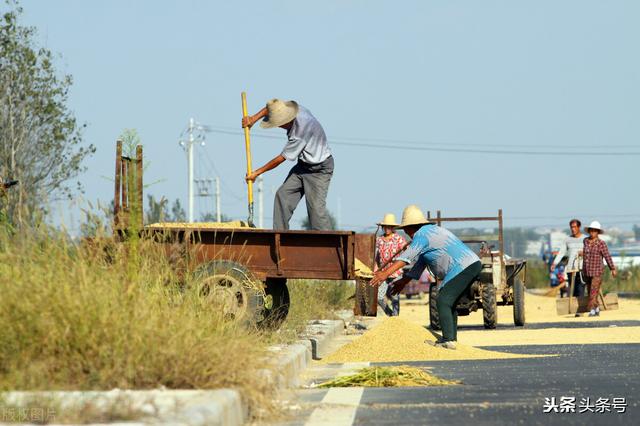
x,y
124,185
117,195
501,239
139,186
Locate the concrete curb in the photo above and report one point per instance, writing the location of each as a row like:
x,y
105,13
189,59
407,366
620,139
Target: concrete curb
x,y
211,407
320,333
218,407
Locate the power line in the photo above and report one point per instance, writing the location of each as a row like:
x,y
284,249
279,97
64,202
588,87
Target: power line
x,y
442,146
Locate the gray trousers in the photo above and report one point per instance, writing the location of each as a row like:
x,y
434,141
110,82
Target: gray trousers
x,y
312,182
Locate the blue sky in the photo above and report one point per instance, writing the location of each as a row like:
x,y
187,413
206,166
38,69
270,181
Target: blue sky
x,y
466,75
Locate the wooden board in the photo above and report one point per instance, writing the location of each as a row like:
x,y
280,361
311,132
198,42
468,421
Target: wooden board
x,y
579,304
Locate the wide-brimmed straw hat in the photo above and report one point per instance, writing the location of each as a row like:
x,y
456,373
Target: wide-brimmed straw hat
x,y
279,113
412,215
389,219
595,225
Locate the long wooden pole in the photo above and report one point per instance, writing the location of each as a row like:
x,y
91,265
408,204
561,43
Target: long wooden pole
x,y
247,146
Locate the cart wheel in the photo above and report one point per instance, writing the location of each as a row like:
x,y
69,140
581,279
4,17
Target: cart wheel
x,y
518,301
276,303
434,318
232,286
489,306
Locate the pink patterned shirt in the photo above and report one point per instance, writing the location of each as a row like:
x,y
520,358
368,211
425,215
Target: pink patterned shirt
x,y
388,249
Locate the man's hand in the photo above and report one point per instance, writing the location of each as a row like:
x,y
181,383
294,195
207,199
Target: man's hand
x,y
379,277
251,177
248,122
614,273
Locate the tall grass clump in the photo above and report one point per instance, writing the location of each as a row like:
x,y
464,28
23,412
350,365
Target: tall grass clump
x,y
316,299
96,314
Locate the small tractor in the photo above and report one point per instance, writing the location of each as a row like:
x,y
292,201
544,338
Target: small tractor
x,y
501,280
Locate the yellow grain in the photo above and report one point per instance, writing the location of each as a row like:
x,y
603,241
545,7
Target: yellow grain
x,y
539,310
397,340
196,225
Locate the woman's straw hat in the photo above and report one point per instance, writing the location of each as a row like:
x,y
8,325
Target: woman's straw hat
x,y
389,219
412,215
595,225
279,113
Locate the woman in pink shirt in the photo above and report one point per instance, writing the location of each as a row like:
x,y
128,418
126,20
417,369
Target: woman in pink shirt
x,y
388,246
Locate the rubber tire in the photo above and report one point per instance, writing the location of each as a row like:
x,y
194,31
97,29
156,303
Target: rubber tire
x,y
409,296
518,302
434,317
489,306
254,303
275,312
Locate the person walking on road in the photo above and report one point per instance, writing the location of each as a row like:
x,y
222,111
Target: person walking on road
x,y
572,248
388,246
310,177
448,258
595,251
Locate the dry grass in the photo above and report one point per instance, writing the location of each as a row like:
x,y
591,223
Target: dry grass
x,y
73,318
314,299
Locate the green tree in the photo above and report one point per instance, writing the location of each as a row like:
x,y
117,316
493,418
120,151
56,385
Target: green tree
x,y
177,212
40,140
211,217
157,210
334,223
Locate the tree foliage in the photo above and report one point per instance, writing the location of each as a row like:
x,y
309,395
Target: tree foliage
x,y
306,224
158,211
40,139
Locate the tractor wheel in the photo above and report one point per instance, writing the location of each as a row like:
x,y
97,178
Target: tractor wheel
x,y
232,288
434,318
489,306
276,303
518,301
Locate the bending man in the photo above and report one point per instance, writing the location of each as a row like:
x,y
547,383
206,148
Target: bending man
x,y
310,177
448,258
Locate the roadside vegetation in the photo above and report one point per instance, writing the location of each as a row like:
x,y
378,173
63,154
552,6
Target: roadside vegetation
x,y
92,314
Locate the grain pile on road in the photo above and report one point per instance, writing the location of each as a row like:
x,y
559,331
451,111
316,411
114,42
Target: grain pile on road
x,y
396,340
402,375
543,327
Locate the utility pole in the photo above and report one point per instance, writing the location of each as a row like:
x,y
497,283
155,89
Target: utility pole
x,y
190,169
260,202
218,212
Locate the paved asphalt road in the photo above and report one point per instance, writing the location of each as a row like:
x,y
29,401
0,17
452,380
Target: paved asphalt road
x,y
494,392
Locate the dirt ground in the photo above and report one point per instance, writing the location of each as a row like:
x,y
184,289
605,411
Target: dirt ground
x,y
543,325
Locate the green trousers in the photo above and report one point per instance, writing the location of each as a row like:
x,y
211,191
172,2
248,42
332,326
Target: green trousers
x,y
448,297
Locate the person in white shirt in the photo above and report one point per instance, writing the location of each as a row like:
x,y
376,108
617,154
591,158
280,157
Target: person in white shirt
x,y
572,249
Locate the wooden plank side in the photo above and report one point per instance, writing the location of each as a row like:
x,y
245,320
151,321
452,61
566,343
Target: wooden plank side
x,y
580,304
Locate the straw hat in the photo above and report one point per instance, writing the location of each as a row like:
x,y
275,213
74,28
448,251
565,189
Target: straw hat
x,y
389,219
279,113
595,225
412,215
